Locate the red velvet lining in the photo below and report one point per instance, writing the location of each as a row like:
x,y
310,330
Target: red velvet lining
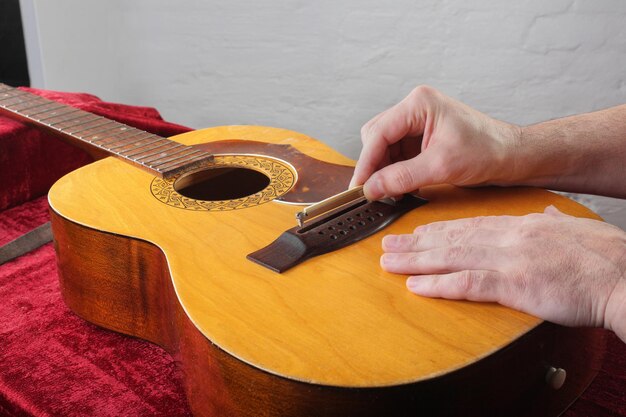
x,y
52,363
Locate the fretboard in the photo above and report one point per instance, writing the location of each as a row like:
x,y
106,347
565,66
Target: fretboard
x,y
158,155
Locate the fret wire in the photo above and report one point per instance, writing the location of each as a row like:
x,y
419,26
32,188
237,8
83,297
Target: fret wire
x,y
12,90
145,146
157,150
146,135
141,154
94,132
64,116
46,111
91,130
109,137
166,153
95,122
106,147
117,139
170,161
13,100
171,157
7,95
19,101
106,135
67,108
197,158
15,93
199,154
4,87
134,138
21,108
28,97
96,136
49,114
179,162
69,126
52,121
71,122
124,155
129,136
66,125
142,142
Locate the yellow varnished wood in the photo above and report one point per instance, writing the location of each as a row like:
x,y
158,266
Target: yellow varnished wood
x,y
336,319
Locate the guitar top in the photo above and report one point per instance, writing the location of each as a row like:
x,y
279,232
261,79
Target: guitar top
x,y
336,319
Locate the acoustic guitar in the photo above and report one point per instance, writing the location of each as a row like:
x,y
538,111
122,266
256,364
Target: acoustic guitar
x,y
154,242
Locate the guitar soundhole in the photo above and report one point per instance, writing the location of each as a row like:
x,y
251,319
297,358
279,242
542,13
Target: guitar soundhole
x,y
221,183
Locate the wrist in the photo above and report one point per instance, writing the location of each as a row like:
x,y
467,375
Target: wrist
x,y
509,160
542,155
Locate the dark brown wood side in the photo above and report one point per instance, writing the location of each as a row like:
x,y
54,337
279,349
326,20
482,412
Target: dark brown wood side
x,y
123,284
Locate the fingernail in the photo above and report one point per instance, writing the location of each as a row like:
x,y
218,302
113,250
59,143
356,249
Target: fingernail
x,y
391,241
388,258
413,284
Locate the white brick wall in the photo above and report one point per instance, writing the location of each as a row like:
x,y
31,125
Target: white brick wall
x,y
325,67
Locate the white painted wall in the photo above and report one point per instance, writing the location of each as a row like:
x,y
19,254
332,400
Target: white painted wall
x,y
325,67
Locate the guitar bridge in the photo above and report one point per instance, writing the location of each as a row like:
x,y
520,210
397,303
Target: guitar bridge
x,y
332,231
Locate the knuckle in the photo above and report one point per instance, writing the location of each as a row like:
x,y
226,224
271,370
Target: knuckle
x,y
454,235
519,287
366,130
423,91
454,254
465,281
414,241
413,260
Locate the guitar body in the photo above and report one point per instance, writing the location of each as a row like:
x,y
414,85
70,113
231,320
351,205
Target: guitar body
x,y
333,336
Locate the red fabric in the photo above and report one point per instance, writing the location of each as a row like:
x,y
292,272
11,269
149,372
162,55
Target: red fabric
x,y
52,363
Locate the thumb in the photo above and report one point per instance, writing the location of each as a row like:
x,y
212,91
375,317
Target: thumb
x,y
401,177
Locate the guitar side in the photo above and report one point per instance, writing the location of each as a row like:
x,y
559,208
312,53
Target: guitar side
x,y
123,282
134,295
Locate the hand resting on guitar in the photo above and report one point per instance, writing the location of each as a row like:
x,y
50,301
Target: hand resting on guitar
x,y
568,270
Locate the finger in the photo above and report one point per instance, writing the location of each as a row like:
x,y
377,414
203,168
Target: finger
x,y
403,119
443,260
404,176
473,285
418,242
367,126
491,222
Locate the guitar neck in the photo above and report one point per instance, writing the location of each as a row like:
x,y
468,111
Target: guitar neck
x,y
160,156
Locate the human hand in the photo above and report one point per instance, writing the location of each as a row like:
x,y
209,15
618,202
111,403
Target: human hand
x,y
564,269
429,138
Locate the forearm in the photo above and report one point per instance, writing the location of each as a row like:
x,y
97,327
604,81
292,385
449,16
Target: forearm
x,y
585,153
